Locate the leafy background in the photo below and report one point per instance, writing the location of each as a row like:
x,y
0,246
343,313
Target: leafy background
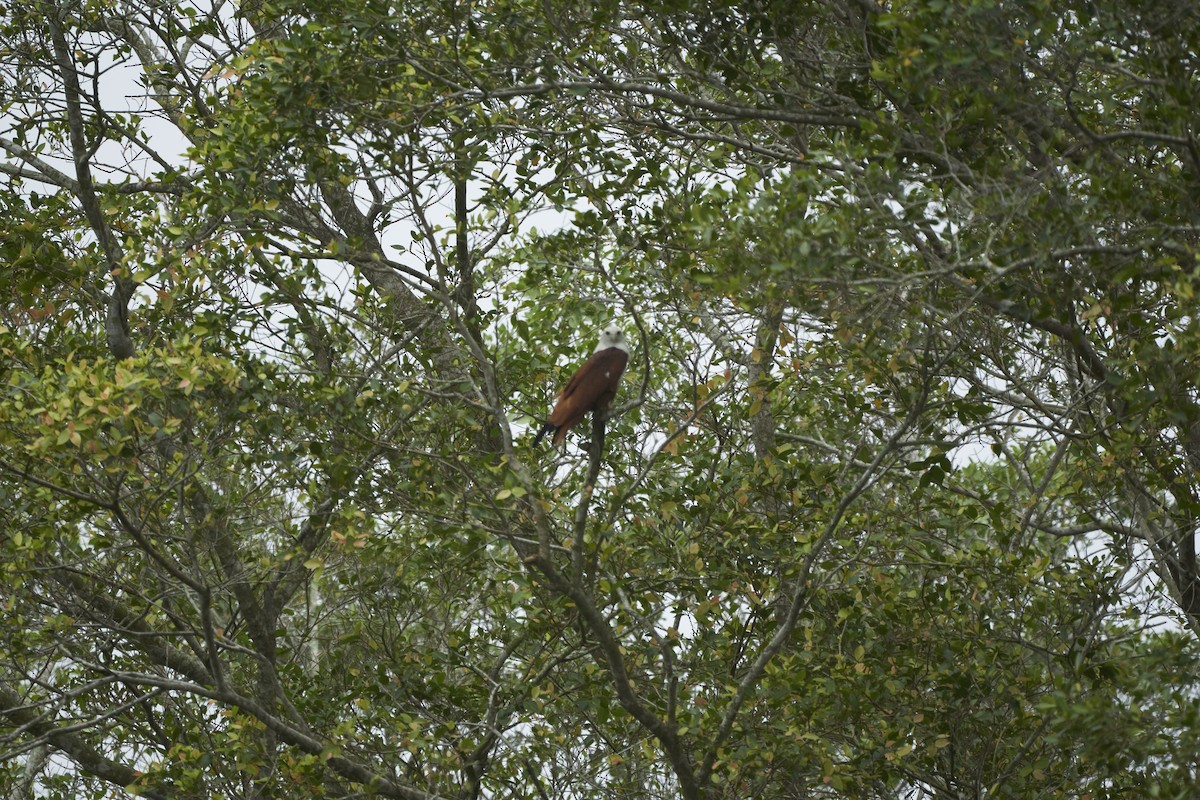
x,y
898,500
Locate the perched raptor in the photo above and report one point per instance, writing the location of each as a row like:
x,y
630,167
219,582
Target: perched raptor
x,y
592,387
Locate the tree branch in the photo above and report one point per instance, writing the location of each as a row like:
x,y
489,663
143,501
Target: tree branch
x,y
116,325
72,744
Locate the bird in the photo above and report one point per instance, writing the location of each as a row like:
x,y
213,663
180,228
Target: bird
x,y
592,387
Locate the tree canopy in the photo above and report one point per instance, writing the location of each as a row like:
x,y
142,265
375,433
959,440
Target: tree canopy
x,y
897,500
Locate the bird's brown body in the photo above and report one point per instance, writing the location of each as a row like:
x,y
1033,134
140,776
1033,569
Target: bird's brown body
x,y
591,388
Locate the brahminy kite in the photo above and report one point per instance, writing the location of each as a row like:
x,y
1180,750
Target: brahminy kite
x,y
592,387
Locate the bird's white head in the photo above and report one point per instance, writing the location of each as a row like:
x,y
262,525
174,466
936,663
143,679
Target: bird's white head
x,y
612,336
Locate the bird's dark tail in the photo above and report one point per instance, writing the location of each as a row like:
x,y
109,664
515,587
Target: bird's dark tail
x,y
547,428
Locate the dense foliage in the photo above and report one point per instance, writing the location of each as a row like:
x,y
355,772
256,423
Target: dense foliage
x,y
898,499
